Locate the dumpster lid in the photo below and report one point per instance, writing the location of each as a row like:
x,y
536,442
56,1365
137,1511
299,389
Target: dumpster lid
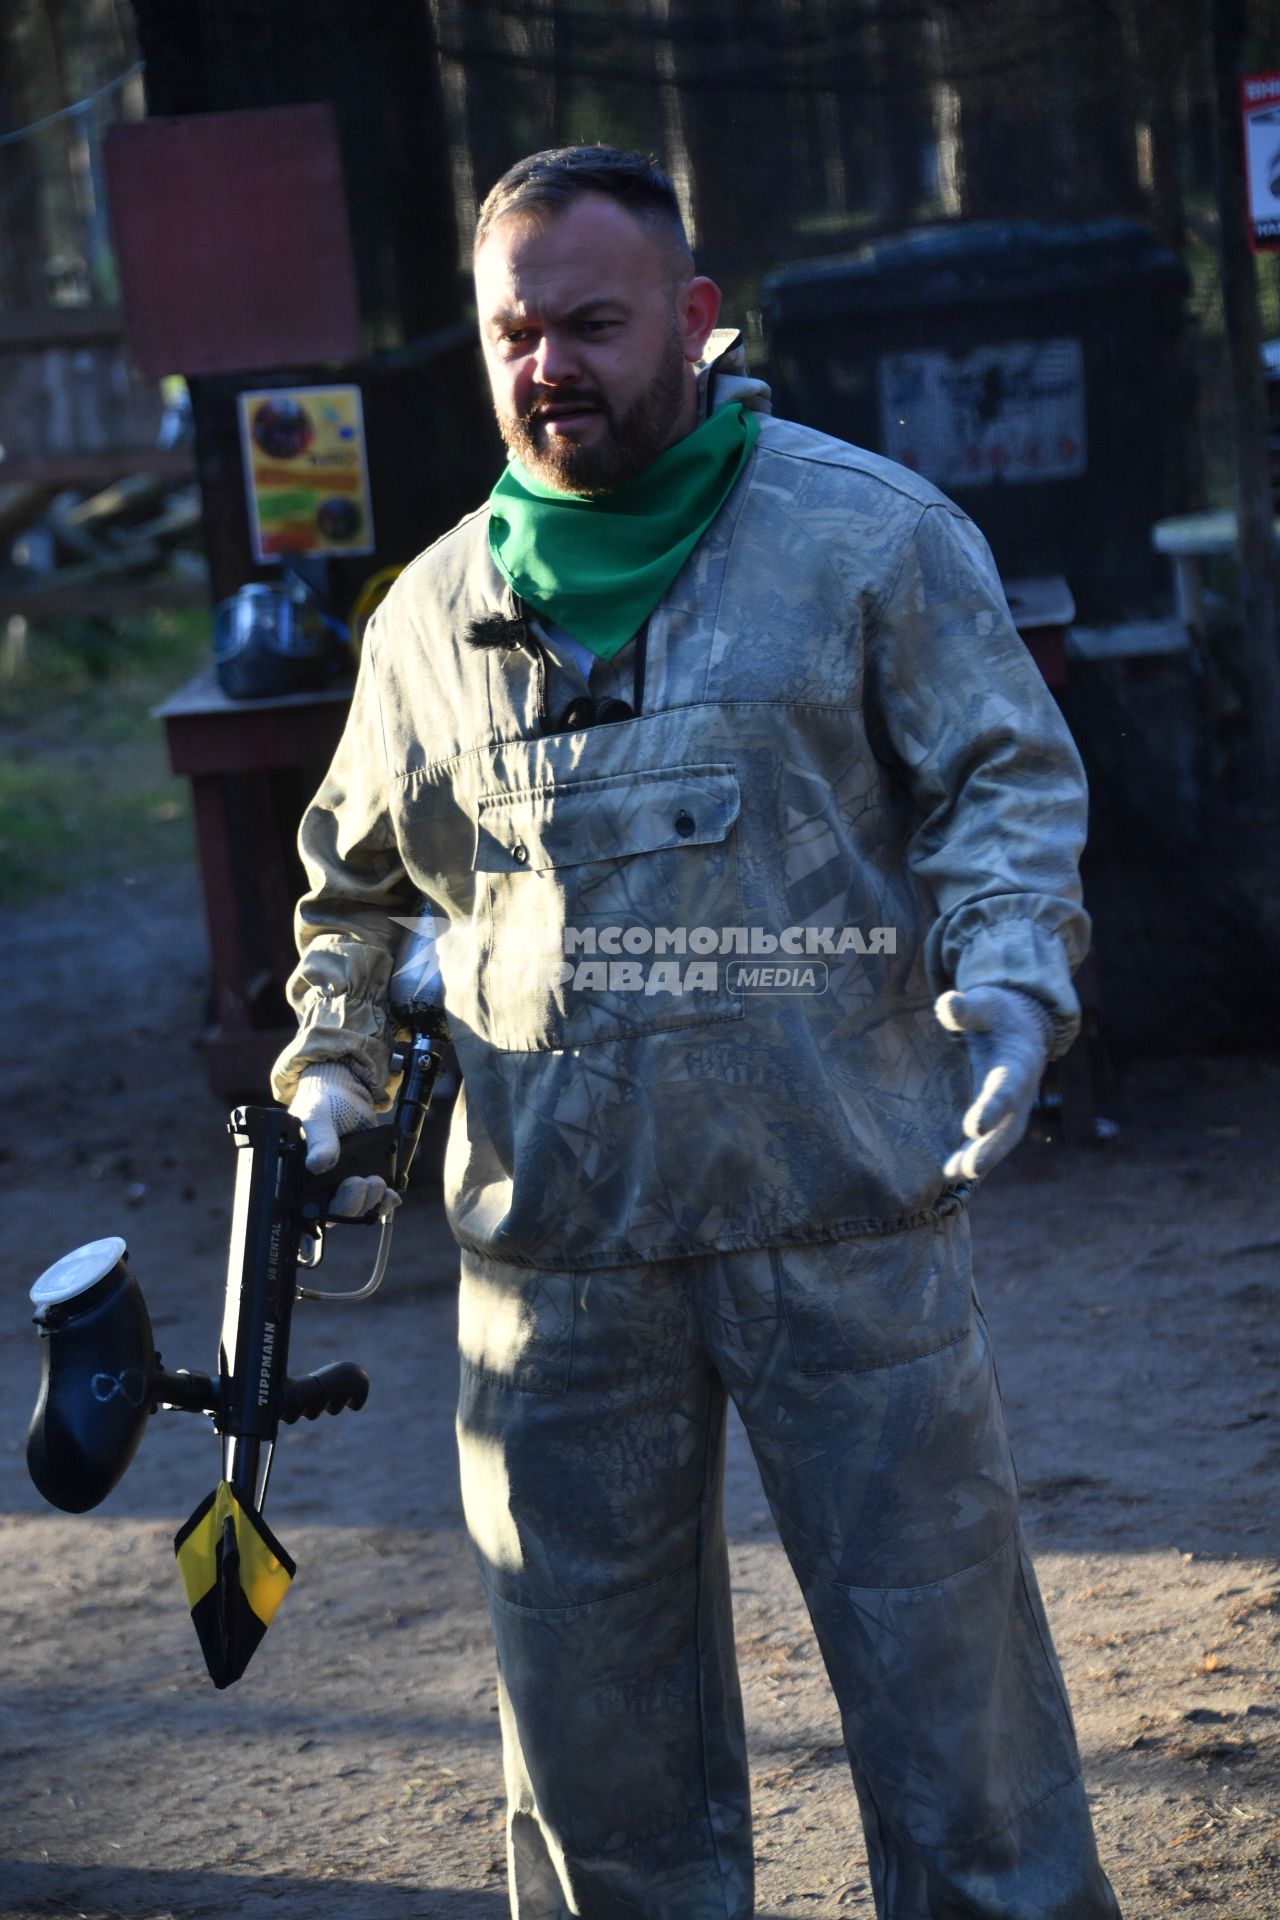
x,y
1046,601
972,263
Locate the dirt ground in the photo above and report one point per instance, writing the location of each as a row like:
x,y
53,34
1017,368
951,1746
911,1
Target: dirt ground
x,y
355,1770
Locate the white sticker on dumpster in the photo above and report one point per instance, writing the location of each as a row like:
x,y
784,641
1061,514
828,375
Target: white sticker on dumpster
x,y
1013,413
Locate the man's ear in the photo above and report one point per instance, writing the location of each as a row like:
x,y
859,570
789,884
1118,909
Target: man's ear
x,y
699,309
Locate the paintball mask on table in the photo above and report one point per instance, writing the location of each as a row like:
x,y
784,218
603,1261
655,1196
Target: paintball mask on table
x,y
102,1377
274,637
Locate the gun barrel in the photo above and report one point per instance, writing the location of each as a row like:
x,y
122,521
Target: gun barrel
x,y
262,1270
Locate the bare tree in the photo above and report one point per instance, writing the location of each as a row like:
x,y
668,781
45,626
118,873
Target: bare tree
x,y
1260,599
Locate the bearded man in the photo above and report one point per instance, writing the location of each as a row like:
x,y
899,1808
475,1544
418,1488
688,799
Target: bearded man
x,y
735,798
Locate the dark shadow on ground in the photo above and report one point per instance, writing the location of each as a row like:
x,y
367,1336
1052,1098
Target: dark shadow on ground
x,y
42,1891
47,1891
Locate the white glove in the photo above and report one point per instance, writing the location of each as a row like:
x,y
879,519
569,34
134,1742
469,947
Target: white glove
x,y
1007,1033
331,1102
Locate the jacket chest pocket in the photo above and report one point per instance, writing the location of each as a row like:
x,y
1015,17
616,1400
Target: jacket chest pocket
x,y
601,904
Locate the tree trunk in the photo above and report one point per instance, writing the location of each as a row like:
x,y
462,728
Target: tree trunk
x,y
896,110
1258,585
24,94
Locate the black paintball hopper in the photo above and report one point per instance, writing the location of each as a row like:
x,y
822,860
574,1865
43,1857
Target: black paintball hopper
x,y
97,1378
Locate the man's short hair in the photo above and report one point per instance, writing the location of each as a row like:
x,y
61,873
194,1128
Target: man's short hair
x,y
551,180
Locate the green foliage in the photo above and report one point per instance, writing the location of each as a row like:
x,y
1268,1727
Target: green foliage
x,y
85,788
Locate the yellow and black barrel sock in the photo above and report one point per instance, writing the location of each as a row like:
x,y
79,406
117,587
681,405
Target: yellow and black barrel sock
x,y
235,1573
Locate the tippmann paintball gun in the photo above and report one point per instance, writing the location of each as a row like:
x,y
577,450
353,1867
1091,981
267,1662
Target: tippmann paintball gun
x,y
102,1377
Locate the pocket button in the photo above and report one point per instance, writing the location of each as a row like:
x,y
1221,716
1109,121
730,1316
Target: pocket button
x,y
519,853
684,823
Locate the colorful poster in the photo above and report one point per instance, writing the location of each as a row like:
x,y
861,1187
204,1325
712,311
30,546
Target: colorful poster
x,y
306,472
1260,105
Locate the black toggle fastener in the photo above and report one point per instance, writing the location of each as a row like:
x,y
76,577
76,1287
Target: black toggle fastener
x,y
585,712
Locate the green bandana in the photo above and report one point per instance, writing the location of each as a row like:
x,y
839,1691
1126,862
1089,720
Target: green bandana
x,y
598,567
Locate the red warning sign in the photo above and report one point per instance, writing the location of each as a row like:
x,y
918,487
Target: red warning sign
x,y
1260,106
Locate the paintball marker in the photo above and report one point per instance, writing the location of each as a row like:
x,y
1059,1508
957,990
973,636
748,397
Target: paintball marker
x,y
102,1377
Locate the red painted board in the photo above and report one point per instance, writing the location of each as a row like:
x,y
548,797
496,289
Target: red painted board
x,y
233,240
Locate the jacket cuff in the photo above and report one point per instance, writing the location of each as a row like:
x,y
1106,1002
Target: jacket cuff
x,y
337,1029
1032,960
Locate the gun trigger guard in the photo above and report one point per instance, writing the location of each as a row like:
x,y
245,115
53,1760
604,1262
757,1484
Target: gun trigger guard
x,y
386,1225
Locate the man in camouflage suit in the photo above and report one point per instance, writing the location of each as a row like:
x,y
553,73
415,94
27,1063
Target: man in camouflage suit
x,y
735,798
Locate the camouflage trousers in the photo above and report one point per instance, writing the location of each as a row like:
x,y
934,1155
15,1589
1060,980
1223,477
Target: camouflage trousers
x,y
591,1435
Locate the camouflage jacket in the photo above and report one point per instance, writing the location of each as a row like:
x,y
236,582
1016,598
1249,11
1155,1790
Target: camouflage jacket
x,y
690,957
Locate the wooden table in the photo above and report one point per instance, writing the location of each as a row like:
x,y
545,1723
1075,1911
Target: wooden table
x,y
253,766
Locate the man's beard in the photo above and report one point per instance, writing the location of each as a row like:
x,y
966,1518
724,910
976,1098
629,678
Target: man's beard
x,y
630,443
